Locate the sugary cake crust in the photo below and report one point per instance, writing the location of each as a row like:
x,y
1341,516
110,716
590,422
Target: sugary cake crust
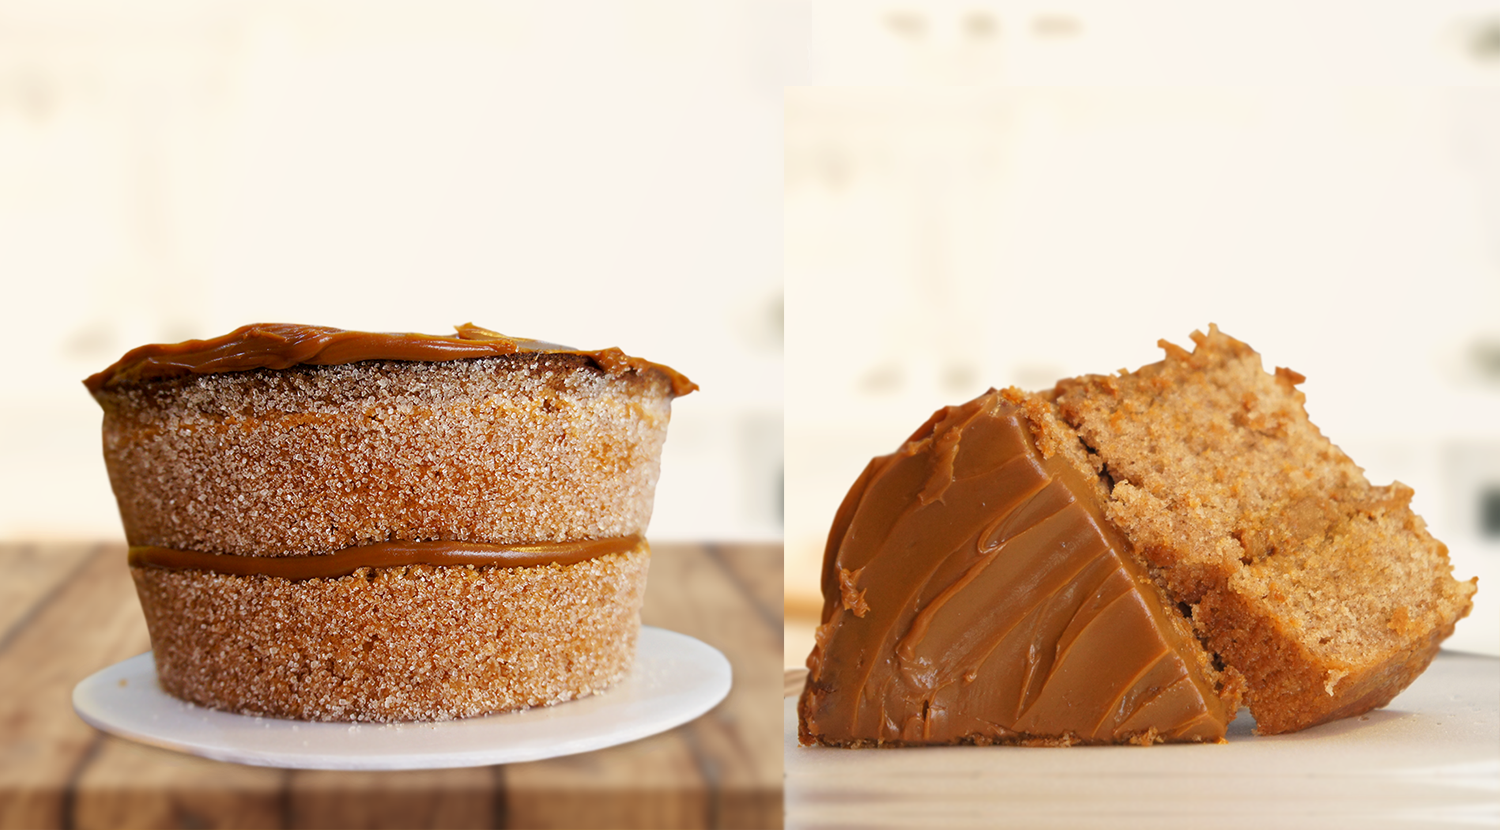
x,y
395,644
512,449
1326,592
519,448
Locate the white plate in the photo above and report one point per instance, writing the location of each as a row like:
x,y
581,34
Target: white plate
x,y
675,679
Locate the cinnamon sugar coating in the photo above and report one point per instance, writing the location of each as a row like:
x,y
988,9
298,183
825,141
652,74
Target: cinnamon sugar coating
x,y
415,643
517,448
521,448
1327,593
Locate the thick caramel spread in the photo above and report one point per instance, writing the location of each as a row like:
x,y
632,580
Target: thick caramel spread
x,y
283,345
384,555
975,593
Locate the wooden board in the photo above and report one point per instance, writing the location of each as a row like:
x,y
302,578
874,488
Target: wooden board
x,y
1429,759
70,610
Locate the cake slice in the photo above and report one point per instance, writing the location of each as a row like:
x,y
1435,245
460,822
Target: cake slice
x,y
974,593
1325,592
1122,559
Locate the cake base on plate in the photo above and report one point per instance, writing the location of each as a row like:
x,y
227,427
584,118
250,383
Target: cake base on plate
x,y
414,643
676,678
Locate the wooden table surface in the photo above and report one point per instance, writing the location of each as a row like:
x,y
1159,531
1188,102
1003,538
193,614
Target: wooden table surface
x,y
1431,759
68,610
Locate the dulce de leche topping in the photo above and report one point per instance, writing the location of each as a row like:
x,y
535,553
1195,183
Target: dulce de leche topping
x,y
975,593
384,555
283,345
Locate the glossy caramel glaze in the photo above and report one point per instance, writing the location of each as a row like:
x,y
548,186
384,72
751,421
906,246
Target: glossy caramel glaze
x,y
974,593
383,555
284,345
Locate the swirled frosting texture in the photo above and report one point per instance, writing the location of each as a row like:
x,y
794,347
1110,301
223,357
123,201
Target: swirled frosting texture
x,y
975,593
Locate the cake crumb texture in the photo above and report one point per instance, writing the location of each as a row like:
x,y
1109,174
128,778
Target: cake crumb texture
x,y
1327,593
417,643
312,459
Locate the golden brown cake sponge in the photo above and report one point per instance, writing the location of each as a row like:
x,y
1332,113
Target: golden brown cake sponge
x,y
1325,592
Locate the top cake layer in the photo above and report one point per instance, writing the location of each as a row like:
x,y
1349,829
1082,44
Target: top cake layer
x,y
284,345
337,449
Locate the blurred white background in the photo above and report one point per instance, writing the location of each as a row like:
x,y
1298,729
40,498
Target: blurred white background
x,y
590,173
992,193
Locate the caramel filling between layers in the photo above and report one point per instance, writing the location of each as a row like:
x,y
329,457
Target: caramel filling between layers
x,y
284,345
384,555
974,591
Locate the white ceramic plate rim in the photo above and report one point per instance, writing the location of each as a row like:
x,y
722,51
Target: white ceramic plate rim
x,y
675,679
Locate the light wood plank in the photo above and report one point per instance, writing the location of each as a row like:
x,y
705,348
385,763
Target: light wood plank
x,y
756,568
1427,760
125,784
453,798
92,622
655,782
741,758
32,573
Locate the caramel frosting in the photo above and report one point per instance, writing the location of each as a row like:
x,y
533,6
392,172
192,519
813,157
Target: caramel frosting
x,y
975,593
383,555
283,345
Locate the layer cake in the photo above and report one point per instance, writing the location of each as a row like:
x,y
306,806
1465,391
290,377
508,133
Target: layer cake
x,y
337,525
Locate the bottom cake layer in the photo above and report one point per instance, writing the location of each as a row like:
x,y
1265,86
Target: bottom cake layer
x,y
407,643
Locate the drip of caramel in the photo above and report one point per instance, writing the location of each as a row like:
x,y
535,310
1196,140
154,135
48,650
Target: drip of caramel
x,y
384,555
974,592
284,345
